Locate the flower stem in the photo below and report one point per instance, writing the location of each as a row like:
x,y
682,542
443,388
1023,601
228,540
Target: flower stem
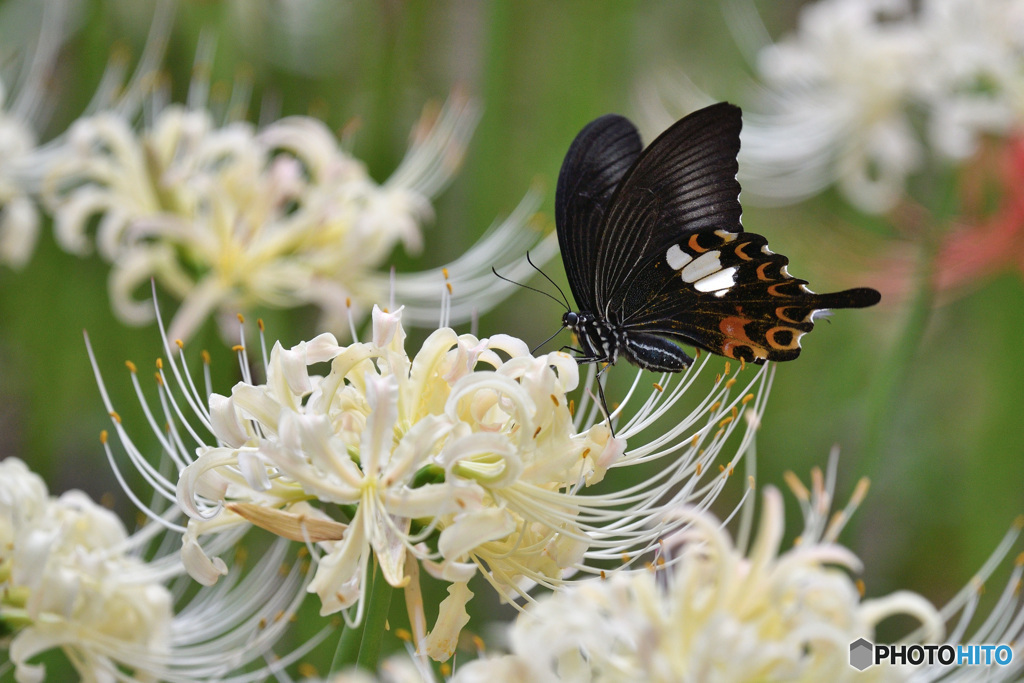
x,y
348,647
375,621
361,644
896,368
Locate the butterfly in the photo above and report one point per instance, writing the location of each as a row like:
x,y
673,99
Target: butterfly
x,y
655,252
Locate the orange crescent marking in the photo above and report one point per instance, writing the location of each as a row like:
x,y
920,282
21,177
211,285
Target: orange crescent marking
x,y
739,251
695,245
773,290
780,313
732,328
794,341
761,275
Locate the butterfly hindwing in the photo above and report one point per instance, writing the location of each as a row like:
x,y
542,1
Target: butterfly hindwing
x,y
730,294
683,183
593,168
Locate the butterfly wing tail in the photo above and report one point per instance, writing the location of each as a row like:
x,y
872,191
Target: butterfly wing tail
x,y
860,297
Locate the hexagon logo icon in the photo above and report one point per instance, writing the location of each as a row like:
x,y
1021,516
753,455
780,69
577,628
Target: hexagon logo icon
x,y
861,654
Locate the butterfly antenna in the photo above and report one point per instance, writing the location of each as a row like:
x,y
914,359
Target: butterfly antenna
x,y
567,306
532,289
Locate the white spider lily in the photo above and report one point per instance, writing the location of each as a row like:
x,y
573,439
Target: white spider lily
x,y
464,457
712,612
72,578
28,57
230,217
866,93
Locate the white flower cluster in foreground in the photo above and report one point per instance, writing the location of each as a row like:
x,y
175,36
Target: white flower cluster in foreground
x,y
72,578
467,457
708,611
229,217
866,93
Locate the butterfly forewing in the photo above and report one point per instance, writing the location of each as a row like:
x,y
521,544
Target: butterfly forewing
x,y
593,168
683,183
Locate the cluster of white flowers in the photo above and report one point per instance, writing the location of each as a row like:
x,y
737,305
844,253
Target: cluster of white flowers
x,y
866,93
468,456
66,579
71,577
27,56
710,611
228,217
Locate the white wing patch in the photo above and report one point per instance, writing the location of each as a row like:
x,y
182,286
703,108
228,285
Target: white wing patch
x,y
722,280
705,272
676,257
702,266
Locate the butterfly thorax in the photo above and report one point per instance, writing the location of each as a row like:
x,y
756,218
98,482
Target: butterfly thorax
x,y
599,340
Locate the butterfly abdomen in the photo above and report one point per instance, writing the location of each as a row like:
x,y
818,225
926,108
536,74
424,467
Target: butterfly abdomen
x,y
655,353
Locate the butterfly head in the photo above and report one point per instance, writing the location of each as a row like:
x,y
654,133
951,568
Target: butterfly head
x,y
571,320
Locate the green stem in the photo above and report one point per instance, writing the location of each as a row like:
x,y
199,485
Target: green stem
x,y
896,368
348,647
375,619
360,645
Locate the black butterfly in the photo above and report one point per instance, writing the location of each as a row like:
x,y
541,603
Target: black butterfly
x,y
655,253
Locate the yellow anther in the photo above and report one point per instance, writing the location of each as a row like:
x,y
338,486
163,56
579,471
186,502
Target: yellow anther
x,y
796,486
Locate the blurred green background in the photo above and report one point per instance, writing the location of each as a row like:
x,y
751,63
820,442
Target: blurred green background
x,y
942,444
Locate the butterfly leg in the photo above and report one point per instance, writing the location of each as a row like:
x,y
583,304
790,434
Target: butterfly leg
x,y
582,360
604,401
